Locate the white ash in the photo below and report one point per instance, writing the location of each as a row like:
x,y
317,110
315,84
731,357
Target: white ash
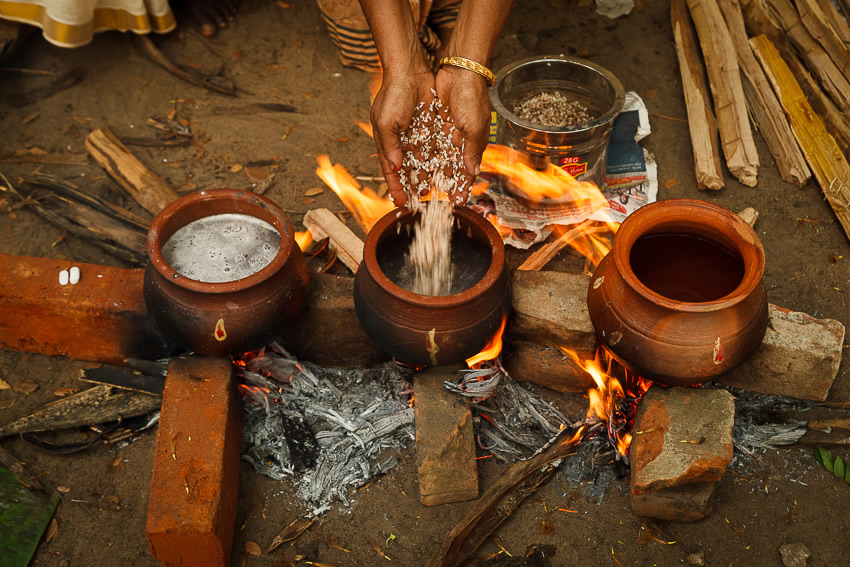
x,y
552,109
432,165
352,416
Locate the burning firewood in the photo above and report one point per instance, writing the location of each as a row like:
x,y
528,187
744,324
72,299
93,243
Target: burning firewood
x,y
324,224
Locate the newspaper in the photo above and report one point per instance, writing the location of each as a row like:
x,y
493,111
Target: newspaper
x,y
630,181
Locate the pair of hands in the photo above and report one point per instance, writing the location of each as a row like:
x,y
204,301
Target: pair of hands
x,y
462,91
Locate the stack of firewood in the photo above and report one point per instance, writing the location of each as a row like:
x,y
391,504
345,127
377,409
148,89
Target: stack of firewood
x,y
786,64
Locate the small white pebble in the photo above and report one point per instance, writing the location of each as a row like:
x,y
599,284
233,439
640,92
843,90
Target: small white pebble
x,y
63,277
74,275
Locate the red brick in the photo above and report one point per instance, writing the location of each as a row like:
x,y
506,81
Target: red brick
x,y
102,318
445,441
195,483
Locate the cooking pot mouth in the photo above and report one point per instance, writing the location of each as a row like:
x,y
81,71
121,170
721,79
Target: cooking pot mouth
x,y
209,202
701,219
480,229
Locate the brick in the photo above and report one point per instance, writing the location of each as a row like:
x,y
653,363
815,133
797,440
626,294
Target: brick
x,y
681,448
445,441
195,483
102,318
528,361
328,332
798,358
688,503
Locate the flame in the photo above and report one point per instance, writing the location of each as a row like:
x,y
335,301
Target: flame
x,y
303,239
607,399
553,183
366,127
363,202
591,239
493,348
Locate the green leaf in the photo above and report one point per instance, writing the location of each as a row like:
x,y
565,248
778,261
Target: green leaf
x,y
838,468
23,519
847,475
824,457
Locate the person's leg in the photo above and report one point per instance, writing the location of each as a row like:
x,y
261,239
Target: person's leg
x,y
208,16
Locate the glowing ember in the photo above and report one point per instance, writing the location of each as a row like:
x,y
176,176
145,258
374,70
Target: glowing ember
x,y
492,350
363,202
612,402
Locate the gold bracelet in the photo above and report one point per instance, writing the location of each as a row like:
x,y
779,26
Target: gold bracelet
x,y
470,65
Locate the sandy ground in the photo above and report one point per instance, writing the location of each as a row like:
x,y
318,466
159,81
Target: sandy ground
x,y
282,54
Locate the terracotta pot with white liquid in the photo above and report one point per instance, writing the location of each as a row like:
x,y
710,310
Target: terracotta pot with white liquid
x,y
224,273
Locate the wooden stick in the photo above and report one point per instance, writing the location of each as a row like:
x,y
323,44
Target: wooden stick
x,y
30,156
144,186
818,60
324,224
825,158
816,22
701,121
763,103
724,77
836,19
212,83
749,216
545,253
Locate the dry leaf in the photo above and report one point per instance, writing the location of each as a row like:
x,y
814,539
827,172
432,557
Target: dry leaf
x,y
117,460
6,404
256,174
184,122
172,112
650,94
4,385
82,119
63,489
27,387
313,191
299,44
307,200
52,530
308,96
253,548
290,532
62,392
195,65
639,6
30,118
670,182
236,168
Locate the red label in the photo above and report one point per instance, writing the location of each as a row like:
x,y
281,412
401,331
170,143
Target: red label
x,y
572,166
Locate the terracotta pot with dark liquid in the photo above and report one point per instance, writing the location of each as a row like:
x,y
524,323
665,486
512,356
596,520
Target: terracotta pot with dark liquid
x,y
679,298
225,317
432,330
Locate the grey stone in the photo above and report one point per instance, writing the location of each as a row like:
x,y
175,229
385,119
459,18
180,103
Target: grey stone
x,y
794,554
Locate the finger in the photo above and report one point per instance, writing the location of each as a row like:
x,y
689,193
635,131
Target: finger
x,y
391,166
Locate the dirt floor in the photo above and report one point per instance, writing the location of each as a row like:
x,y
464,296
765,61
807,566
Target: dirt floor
x,y
276,52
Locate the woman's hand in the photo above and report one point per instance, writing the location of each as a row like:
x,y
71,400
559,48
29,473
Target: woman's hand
x,y
465,95
392,111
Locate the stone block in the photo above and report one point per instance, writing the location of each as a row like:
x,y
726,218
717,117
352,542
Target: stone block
x,y
195,483
681,448
528,361
101,318
445,440
798,358
328,332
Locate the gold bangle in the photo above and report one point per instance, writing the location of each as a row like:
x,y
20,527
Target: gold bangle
x,y
470,65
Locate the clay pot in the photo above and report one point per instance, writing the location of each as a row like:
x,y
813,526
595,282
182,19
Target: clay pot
x,y
427,330
679,298
230,317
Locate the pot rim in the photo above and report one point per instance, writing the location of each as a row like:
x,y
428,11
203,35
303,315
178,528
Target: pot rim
x,y
655,216
385,223
188,206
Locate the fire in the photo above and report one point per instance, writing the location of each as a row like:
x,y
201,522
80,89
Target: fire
x,y
366,127
611,401
554,183
492,350
303,239
363,202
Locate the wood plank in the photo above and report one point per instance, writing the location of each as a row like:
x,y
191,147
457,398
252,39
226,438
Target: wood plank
x,y
149,190
816,58
824,156
324,224
701,121
816,22
763,103
724,77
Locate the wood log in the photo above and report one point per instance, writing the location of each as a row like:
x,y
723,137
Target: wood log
x,y
837,20
816,58
816,22
324,224
150,191
824,156
763,104
724,77
701,121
